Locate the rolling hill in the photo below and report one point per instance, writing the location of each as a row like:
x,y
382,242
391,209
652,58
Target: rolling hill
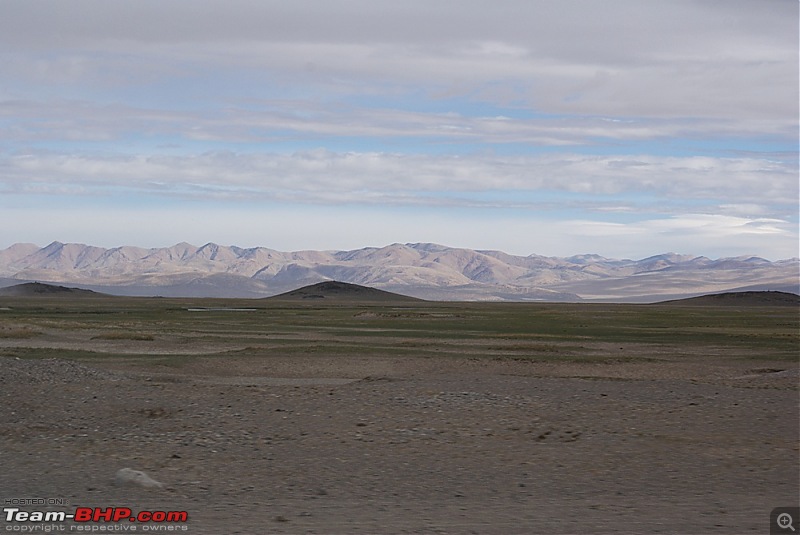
x,y
342,292
741,299
38,289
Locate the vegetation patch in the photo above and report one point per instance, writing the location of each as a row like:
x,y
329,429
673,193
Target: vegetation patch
x,y
124,335
566,332
51,353
18,333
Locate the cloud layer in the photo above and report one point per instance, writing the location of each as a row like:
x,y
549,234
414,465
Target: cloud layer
x,y
585,115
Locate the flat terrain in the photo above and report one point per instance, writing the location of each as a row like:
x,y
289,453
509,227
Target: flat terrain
x,y
264,416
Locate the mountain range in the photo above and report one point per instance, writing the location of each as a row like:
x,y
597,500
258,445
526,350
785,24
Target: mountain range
x,y
424,270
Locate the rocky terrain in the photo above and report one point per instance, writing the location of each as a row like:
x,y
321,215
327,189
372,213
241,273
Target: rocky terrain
x,y
423,270
343,416
414,447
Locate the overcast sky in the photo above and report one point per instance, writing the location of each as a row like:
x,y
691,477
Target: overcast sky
x,y
618,127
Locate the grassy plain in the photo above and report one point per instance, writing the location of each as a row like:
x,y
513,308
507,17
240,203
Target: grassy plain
x,y
92,328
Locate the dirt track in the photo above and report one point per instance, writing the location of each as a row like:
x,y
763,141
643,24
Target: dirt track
x,y
409,445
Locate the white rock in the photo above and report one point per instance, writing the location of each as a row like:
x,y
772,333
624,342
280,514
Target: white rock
x,y
127,476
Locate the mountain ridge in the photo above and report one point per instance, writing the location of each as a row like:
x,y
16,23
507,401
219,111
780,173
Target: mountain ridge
x,y
424,270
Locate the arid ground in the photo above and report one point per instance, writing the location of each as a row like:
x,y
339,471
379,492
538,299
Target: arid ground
x,y
310,416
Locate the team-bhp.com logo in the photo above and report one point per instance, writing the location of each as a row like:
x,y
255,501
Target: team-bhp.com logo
x,y
94,515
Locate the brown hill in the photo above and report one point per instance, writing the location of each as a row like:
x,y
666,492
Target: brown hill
x,y
341,291
38,289
743,299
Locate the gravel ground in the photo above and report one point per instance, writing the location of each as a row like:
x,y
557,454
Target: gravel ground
x,y
338,445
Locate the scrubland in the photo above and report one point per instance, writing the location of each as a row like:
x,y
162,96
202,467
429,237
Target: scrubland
x,y
264,416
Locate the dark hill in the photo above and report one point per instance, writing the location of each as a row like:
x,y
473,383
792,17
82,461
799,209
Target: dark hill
x,y
38,289
341,291
742,299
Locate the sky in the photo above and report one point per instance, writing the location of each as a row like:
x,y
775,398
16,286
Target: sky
x,y
557,127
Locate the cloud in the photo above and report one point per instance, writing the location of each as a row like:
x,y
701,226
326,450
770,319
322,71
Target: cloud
x,y
702,234
684,59
288,120
322,176
609,123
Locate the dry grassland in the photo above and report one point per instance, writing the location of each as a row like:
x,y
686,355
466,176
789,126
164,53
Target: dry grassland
x,y
296,417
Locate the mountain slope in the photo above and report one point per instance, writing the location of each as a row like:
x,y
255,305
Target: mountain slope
x,y
423,270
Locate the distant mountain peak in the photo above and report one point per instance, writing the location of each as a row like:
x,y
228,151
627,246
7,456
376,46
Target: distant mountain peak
x,y
427,270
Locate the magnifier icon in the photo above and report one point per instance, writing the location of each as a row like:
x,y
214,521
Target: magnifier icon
x,y
785,521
